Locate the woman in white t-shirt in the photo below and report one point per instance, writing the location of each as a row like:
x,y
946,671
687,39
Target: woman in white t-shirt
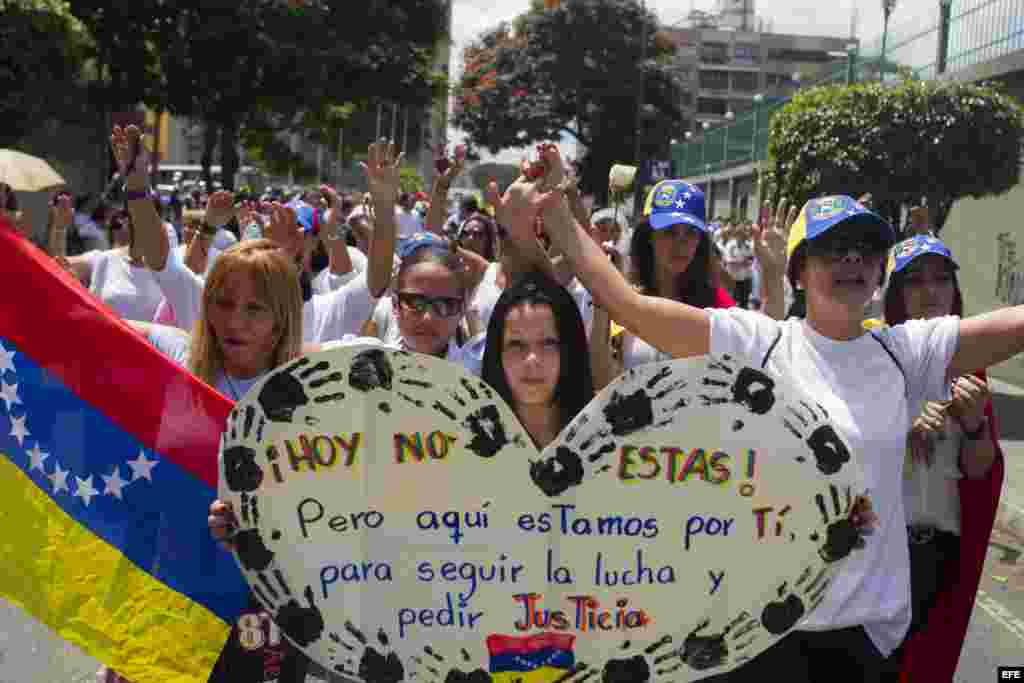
x,y
867,382
952,476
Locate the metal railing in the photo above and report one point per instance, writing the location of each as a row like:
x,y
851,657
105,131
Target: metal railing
x,y
979,31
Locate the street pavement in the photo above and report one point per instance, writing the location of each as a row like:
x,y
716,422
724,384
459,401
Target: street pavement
x,y
29,652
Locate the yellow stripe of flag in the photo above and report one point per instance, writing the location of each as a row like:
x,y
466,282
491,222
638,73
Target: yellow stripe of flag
x,y
88,593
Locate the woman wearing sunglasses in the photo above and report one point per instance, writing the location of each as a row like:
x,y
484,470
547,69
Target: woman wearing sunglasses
x,y
867,382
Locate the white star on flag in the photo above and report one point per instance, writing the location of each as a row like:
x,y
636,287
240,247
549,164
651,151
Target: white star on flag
x,y
84,489
142,468
37,456
6,359
59,479
114,484
680,203
9,394
18,429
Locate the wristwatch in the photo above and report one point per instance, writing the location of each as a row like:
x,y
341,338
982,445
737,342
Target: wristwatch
x,y
976,434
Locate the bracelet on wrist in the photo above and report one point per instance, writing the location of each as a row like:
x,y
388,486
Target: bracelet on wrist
x,y
135,195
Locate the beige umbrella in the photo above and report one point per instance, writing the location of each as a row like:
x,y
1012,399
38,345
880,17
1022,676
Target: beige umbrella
x,y
26,173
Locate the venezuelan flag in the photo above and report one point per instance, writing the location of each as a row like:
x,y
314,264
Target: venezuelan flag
x,y
540,658
108,463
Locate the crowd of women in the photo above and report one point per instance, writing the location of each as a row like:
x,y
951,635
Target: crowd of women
x,y
515,296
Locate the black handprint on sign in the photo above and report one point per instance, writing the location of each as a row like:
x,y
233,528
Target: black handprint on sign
x,y
284,392
374,666
241,473
750,388
371,369
303,625
781,615
489,433
703,652
844,535
829,451
557,475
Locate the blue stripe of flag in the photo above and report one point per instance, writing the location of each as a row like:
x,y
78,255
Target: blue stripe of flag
x,y
512,661
159,525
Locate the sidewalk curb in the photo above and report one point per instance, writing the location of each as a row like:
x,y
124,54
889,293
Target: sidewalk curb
x,y
1010,516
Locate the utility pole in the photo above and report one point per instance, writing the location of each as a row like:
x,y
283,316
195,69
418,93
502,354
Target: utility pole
x,y
887,7
944,20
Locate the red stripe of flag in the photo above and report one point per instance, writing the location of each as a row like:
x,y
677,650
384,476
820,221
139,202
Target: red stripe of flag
x,y
47,313
503,645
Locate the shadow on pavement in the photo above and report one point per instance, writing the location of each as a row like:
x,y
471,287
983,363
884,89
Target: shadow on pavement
x,y
1009,412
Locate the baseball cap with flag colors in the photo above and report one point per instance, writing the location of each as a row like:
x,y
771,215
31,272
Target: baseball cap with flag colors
x,y
672,202
904,253
824,213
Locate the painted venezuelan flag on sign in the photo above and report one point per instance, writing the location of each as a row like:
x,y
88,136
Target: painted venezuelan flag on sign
x,y
540,658
108,463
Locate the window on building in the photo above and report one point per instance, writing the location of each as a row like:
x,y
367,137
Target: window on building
x,y
747,54
744,81
714,80
714,53
711,106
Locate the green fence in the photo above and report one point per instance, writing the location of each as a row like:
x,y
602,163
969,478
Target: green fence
x,y
979,31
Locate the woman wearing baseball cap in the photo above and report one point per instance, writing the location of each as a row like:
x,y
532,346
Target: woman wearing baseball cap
x,y
953,474
867,381
670,256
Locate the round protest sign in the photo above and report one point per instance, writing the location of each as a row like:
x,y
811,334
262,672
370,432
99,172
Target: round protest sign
x,y
398,522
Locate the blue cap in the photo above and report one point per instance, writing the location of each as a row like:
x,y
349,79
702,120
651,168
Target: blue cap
x,y
421,240
824,213
904,253
671,202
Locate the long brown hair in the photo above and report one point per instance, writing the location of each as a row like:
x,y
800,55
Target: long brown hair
x,y
277,283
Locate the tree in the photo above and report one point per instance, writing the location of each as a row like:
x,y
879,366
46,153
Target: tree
x,y
918,140
571,70
42,50
503,174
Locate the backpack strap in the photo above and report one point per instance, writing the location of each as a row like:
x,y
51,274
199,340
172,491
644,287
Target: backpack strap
x,y
895,360
768,353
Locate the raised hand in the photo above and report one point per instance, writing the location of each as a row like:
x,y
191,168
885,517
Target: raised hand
x,y
525,198
332,216
220,208
131,154
284,229
382,172
449,169
770,240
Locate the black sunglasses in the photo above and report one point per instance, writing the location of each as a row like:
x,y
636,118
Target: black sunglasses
x,y
838,246
441,306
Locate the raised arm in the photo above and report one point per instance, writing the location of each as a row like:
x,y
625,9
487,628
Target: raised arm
x,y
988,339
770,248
672,327
381,168
132,156
338,258
438,211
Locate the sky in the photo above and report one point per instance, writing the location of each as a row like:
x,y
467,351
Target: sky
x,y
801,17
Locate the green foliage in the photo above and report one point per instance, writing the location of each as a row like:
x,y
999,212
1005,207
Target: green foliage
x,y
41,55
904,143
409,179
572,70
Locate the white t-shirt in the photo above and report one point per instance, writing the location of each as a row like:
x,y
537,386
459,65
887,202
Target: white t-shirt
x,y
130,291
327,281
863,391
482,301
182,288
211,257
931,492
224,239
332,316
408,224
